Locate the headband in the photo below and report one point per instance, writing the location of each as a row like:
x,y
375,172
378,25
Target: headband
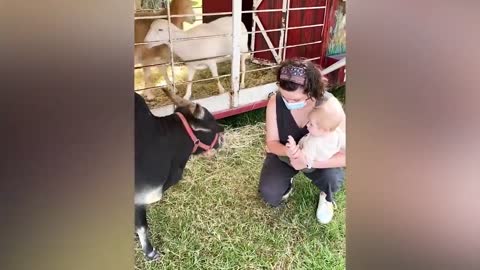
x,y
293,74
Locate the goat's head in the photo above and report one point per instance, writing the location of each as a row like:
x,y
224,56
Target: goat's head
x,y
158,33
202,122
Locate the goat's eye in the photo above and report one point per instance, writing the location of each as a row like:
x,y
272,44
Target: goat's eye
x,y
160,30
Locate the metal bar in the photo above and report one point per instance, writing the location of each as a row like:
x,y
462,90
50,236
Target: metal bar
x,y
290,46
228,55
340,63
267,39
261,10
202,14
184,82
225,35
304,44
223,13
302,26
183,15
260,69
274,66
286,30
170,42
184,39
256,3
236,35
254,24
186,61
325,71
305,8
281,40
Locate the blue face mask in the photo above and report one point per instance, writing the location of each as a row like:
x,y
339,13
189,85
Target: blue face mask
x,y
294,106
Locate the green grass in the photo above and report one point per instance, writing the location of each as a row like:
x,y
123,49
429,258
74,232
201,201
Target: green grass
x,y
215,219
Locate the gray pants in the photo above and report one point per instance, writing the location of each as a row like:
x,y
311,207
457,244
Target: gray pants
x,y
276,174
287,160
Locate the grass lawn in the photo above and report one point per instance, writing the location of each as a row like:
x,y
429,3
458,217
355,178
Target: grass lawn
x,y
215,219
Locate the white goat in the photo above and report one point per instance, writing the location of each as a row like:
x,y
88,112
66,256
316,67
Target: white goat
x,y
201,48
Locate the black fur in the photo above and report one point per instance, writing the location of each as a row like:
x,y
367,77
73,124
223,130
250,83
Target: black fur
x,y
162,149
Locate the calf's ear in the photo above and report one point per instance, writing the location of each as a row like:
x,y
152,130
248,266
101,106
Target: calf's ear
x,y
179,101
198,112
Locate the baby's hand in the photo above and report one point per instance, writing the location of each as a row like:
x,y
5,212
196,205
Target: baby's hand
x,y
292,148
291,141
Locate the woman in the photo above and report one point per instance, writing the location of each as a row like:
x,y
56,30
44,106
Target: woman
x,y
301,87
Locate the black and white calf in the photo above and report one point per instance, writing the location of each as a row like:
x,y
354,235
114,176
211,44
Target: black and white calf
x,y
163,146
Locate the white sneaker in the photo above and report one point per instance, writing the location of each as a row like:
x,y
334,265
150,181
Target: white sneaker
x,y
289,191
325,209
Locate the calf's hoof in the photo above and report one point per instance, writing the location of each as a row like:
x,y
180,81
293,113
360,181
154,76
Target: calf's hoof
x,y
242,85
153,256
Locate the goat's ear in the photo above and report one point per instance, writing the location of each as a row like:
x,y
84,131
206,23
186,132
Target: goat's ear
x,y
198,111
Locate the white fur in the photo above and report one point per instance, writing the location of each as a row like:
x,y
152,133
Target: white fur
x,y
149,196
201,48
142,236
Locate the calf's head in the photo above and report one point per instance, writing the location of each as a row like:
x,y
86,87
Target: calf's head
x,y
201,121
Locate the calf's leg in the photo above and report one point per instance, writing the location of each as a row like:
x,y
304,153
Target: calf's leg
x,y
141,228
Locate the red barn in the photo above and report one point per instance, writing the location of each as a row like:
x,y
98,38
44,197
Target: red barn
x,y
307,22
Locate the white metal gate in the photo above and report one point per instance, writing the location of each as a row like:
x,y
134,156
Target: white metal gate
x,y
239,97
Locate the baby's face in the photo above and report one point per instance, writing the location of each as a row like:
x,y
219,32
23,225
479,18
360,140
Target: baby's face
x,y
315,130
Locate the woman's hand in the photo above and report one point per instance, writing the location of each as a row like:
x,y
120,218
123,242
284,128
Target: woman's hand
x,y
298,163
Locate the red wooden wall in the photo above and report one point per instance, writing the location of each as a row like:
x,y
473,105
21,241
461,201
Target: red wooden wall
x,y
211,6
294,36
273,20
270,20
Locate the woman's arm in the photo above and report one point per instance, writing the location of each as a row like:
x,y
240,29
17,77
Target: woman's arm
x,y
272,139
337,160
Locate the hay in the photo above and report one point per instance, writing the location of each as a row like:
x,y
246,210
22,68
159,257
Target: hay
x,y
205,88
243,149
240,143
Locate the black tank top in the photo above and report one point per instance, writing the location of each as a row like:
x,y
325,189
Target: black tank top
x,y
285,122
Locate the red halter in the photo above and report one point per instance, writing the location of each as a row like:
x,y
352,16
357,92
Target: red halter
x,y
195,140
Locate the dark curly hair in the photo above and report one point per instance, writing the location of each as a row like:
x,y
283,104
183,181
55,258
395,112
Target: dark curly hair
x,y
315,84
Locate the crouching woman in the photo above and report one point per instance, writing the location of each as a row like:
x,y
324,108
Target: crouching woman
x,y
301,88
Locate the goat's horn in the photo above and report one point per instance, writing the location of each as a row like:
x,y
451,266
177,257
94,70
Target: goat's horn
x,y
181,102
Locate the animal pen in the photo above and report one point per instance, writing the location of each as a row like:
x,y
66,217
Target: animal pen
x,y
277,29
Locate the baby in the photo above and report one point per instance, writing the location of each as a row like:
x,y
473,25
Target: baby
x,y
325,137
